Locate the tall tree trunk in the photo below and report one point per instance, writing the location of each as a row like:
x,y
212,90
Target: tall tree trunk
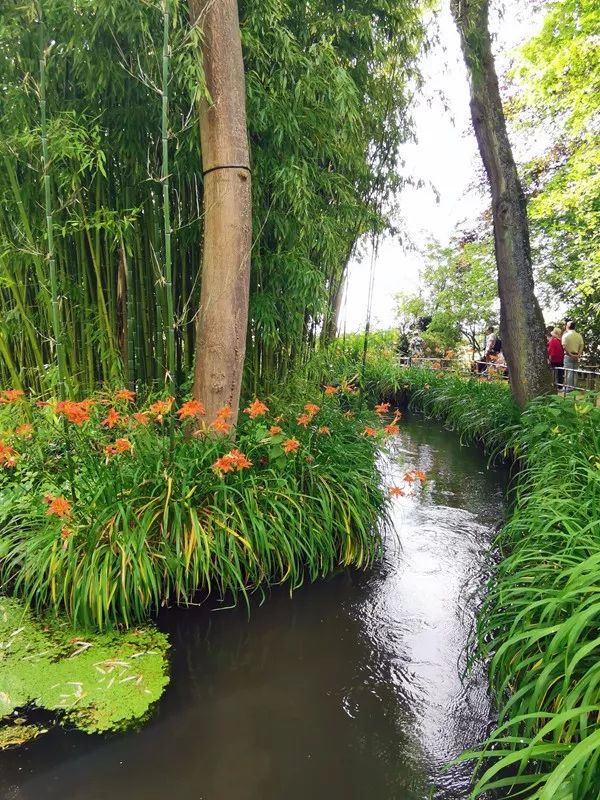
x,y
223,314
522,324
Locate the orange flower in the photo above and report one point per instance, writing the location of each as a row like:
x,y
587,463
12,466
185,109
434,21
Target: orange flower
x,y
312,409
256,409
304,419
120,446
275,429
230,461
8,455
392,429
397,415
220,425
382,408
162,406
10,396
24,431
125,394
420,475
368,431
409,477
77,413
142,418
290,445
193,408
224,412
330,390
57,506
112,418
396,491
65,534
324,429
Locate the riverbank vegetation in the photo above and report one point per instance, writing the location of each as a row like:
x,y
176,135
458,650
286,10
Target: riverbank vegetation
x,y
110,510
538,624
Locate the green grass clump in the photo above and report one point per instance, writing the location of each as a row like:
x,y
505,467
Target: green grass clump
x,y
107,514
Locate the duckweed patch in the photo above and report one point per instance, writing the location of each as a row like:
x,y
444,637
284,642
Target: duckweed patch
x,y
94,682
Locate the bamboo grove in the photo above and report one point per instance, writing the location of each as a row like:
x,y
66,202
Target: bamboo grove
x,y
101,184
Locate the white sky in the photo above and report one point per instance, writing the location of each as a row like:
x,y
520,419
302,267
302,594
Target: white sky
x,y
445,156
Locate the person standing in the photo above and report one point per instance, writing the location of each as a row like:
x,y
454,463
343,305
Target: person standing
x,y
572,342
556,355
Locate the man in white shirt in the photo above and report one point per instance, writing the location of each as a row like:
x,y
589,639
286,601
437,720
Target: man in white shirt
x,y
572,342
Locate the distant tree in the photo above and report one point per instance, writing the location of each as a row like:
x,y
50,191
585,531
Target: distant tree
x,y
459,291
522,322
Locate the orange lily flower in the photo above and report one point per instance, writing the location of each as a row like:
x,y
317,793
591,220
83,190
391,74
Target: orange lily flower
x,y
330,390
324,429
290,445
120,446
192,408
11,396
256,409
368,431
77,413
392,429
312,409
304,420
58,506
275,429
220,425
24,431
112,418
396,491
162,406
125,394
382,408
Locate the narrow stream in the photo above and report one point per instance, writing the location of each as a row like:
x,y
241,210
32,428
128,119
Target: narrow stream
x,y
349,690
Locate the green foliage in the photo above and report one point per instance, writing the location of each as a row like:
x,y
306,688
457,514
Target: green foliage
x,y
94,682
458,296
558,83
111,517
327,93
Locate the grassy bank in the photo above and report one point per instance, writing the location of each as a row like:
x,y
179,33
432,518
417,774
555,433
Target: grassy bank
x,y
111,508
539,627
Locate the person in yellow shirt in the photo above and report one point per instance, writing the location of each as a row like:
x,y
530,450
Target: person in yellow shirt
x,y
572,342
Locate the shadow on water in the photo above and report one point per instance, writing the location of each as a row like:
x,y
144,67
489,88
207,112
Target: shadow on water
x,y
351,689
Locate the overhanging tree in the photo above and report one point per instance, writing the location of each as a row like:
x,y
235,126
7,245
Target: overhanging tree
x,y
522,323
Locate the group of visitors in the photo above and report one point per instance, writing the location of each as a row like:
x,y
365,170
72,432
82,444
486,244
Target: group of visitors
x,y
564,351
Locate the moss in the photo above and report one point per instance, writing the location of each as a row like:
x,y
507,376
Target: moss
x,y
95,682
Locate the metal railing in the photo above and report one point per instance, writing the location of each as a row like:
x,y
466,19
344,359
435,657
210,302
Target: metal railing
x,y
565,380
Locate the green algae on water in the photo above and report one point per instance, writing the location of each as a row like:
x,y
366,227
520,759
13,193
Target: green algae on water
x,y
95,682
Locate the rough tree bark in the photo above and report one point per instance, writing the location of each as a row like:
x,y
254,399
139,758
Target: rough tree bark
x,y
223,313
521,320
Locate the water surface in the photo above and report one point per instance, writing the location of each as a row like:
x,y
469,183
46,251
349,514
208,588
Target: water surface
x,y
350,689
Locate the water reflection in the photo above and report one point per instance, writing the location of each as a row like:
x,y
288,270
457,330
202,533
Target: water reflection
x,y
351,689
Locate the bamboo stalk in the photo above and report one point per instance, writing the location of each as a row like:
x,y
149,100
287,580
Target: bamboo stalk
x,y
56,325
170,321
